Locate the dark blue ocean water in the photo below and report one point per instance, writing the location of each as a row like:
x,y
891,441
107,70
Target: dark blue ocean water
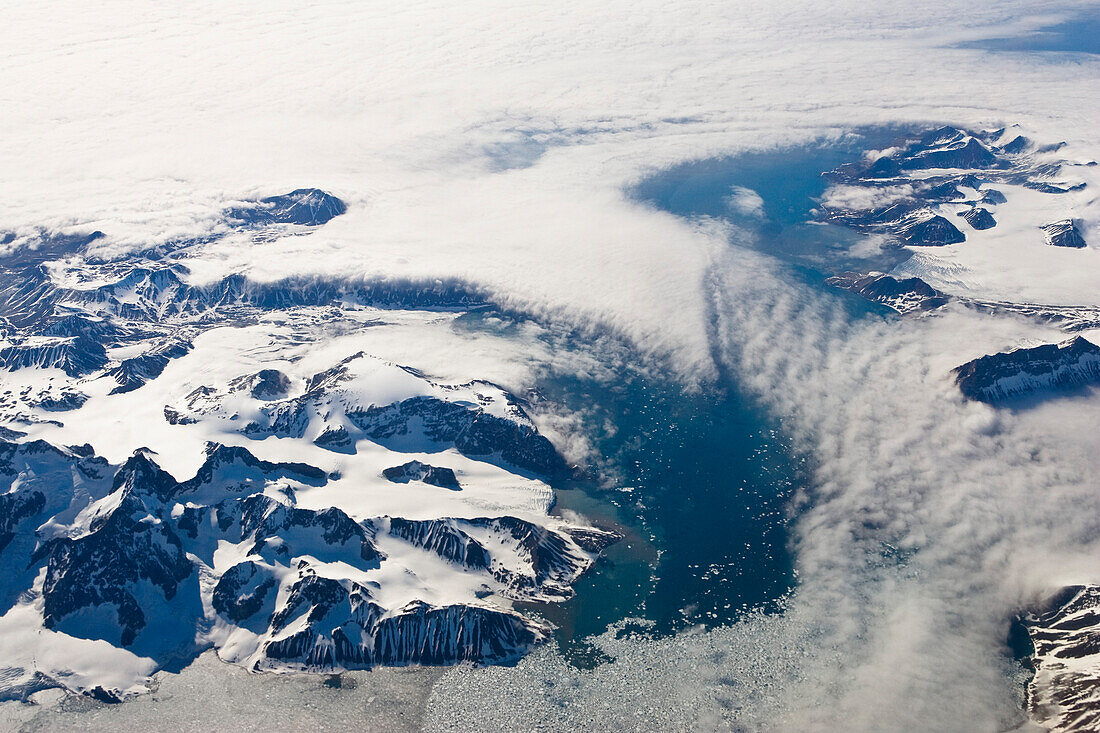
x,y
790,182
702,480
1079,35
699,481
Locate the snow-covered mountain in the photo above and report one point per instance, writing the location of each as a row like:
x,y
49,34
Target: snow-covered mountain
x,y
967,205
400,518
1064,631
994,201
1024,371
909,295
913,188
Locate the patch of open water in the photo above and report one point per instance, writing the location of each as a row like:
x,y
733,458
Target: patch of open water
x,y
702,480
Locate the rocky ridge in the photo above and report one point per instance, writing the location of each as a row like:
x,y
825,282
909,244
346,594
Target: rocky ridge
x,y
242,556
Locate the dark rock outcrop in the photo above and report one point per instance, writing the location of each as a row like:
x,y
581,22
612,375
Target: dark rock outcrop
x,y
997,378
555,559
884,167
957,150
993,197
136,371
417,471
242,590
1064,234
241,464
129,542
266,384
472,431
925,229
63,401
16,507
44,246
551,560
305,206
979,218
907,295
175,417
1064,633
336,439
262,518
444,538
418,634
946,191
75,356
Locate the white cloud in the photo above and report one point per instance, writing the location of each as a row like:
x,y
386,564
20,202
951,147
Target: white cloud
x,y
864,197
746,202
930,521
